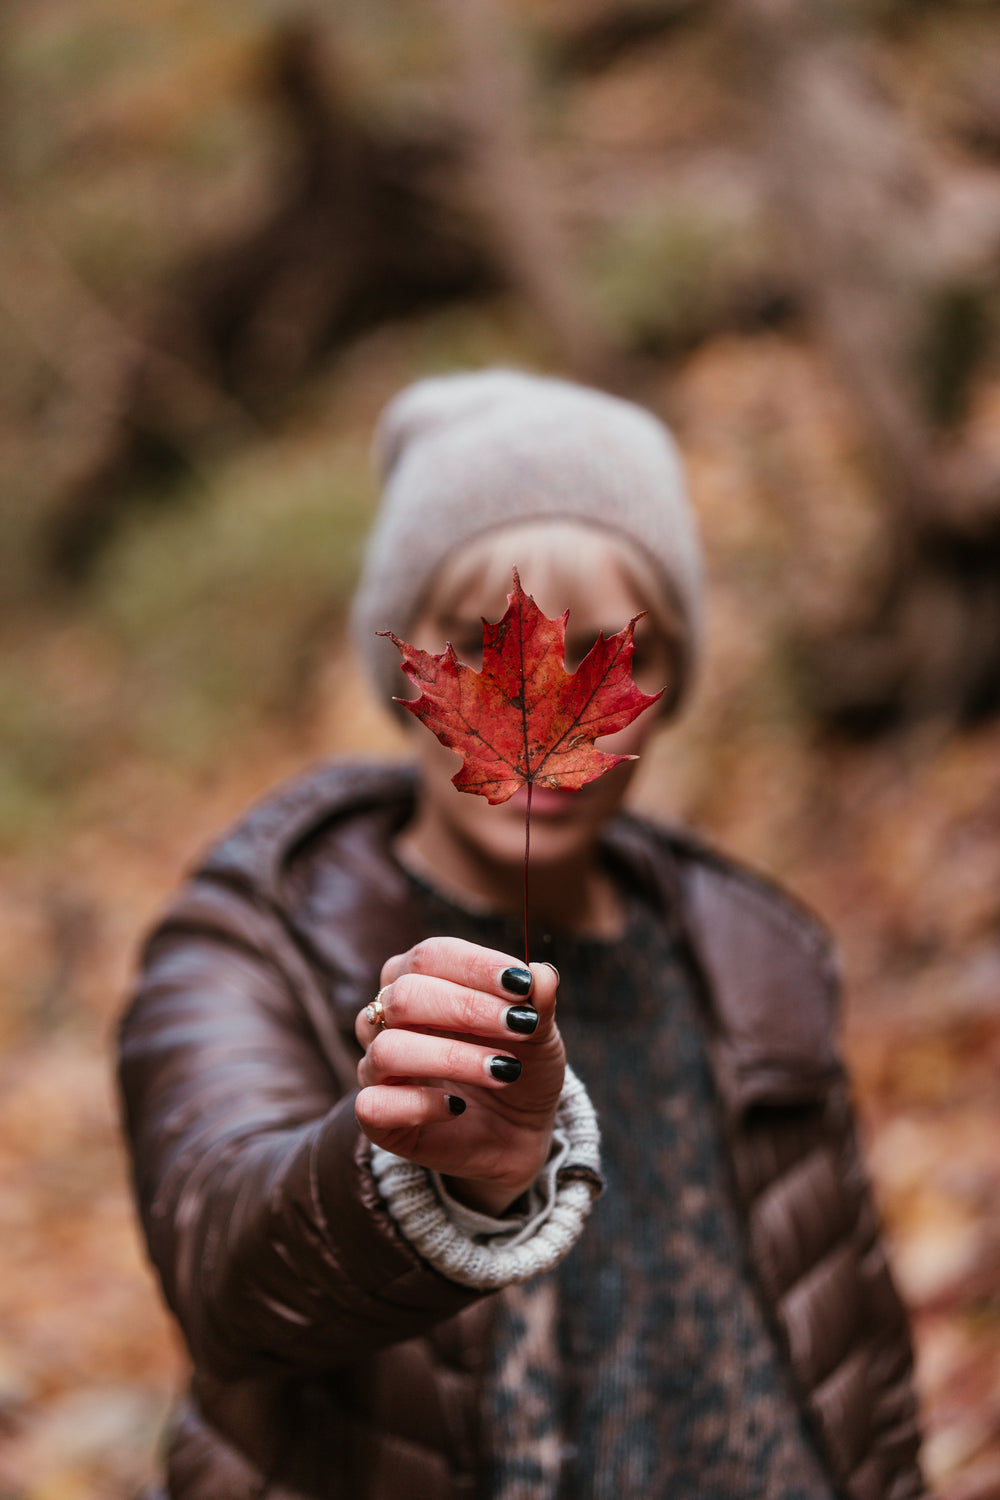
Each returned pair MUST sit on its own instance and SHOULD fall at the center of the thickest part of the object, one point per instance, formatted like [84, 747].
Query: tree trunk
[878, 240]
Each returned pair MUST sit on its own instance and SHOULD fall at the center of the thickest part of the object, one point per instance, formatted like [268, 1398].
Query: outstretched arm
[277, 1245]
[262, 1218]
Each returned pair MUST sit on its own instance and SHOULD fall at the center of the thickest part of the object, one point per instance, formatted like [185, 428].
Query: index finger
[484, 969]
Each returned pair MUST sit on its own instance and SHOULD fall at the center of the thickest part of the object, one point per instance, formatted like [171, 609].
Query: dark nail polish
[521, 1018]
[505, 1069]
[517, 981]
[455, 1104]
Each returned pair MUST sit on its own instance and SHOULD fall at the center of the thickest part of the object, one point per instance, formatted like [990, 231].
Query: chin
[565, 826]
[552, 846]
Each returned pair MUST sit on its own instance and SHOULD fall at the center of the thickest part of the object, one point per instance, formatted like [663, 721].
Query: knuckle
[454, 1059]
[378, 1047]
[469, 1014]
[391, 968]
[423, 955]
[371, 1108]
[377, 1109]
[409, 993]
[394, 999]
[472, 968]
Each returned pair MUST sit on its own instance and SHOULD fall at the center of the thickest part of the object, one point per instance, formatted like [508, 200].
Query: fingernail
[521, 1018]
[517, 981]
[505, 1069]
[553, 968]
[455, 1104]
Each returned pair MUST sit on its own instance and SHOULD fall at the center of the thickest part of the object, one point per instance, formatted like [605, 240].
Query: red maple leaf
[525, 720]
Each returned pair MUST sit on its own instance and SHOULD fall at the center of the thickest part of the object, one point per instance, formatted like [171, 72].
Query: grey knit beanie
[464, 454]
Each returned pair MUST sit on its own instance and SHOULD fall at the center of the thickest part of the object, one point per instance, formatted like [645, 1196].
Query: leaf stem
[527, 846]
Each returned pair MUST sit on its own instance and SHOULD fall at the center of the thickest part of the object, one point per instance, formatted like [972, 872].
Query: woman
[371, 1185]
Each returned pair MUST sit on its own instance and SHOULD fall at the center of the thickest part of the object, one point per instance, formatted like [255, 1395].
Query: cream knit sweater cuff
[478, 1251]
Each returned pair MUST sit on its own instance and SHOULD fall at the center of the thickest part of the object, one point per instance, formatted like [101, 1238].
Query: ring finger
[420, 1002]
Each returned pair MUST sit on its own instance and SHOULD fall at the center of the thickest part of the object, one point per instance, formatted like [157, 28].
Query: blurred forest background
[228, 233]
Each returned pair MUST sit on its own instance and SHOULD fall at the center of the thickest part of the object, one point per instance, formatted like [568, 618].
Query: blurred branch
[593, 36]
[880, 230]
[95, 354]
[363, 225]
[367, 222]
[509, 186]
[876, 224]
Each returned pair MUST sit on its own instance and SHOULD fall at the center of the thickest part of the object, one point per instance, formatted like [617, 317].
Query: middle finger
[422, 1002]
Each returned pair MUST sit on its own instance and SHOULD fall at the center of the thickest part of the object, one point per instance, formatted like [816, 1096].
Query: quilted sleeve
[254, 1184]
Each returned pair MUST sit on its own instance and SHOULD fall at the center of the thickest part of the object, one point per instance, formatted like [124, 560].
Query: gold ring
[375, 1013]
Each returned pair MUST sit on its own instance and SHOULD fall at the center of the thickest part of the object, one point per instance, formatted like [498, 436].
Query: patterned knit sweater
[644, 1366]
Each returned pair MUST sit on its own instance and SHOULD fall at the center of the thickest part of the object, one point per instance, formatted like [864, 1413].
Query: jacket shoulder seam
[750, 887]
[258, 842]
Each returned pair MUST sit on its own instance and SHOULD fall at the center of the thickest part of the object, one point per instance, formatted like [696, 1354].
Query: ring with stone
[375, 1012]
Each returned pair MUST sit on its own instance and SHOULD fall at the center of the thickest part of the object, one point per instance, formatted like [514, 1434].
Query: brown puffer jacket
[329, 1360]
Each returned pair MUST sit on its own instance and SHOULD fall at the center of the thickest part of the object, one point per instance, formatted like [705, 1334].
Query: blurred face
[603, 583]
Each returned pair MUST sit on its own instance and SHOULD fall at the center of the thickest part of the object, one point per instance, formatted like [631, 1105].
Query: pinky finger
[385, 1110]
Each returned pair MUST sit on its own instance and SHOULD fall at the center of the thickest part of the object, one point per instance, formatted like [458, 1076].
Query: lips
[546, 802]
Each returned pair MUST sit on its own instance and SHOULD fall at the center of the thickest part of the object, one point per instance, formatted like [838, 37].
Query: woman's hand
[465, 1076]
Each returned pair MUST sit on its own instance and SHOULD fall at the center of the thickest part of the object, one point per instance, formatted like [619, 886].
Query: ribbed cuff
[478, 1251]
